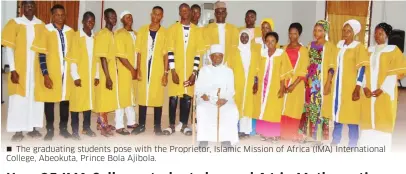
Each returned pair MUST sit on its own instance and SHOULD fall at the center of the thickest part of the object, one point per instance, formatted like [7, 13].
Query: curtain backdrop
[338, 12]
[43, 11]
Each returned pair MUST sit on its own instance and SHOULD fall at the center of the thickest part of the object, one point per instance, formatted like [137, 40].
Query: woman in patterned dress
[318, 100]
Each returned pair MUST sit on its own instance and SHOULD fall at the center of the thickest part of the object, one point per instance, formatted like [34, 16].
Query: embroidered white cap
[126, 12]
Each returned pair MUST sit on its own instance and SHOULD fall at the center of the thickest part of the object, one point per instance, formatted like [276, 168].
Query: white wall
[8, 11]
[307, 13]
[93, 6]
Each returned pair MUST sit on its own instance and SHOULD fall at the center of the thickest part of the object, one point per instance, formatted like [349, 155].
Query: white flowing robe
[24, 113]
[209, 81]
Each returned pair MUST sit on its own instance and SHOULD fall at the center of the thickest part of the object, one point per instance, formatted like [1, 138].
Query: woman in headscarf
[295, 97]
[275, 68]
[380, 107]
[318, 101]
[351, 61]
[267, 25]
[245, 68]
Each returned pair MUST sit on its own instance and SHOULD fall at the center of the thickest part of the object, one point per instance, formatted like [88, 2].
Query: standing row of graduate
[291, 92]
[301, 88]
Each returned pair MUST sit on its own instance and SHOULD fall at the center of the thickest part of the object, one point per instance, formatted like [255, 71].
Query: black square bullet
[9, 149]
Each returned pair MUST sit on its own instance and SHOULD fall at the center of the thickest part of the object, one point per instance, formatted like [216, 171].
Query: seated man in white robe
[215, 91]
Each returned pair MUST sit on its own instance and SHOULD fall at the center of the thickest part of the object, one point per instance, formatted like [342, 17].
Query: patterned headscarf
[386, 27]
[270, 22]
[325, 25]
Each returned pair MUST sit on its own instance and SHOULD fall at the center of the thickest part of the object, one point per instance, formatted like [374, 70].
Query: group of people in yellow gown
[290, 92]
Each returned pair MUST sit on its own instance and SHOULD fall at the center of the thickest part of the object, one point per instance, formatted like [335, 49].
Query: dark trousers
[63, 113]
[143, 115]
[75, 120]
[185, 105]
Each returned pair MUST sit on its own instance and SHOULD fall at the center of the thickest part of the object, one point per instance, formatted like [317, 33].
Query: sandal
[132, 126]
[242, 135]
[34, 134]
[17, 137]
[170, 130]
[264, 138]
[123, 131]
[317, 143]
[186, 130]
[274, 140]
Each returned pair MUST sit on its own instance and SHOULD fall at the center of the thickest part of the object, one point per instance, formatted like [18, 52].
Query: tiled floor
[399, 137]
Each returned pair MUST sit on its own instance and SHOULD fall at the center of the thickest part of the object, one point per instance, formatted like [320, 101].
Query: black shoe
[88, 132]
[34, 134]
[139, 129]
[158, 131]
[203, 144]
[65, 133]
[49, 135]
[75, 136]
[17, 137]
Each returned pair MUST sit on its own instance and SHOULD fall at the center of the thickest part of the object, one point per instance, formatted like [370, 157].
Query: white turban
[126, 12]
[217, 48]
[355, 25]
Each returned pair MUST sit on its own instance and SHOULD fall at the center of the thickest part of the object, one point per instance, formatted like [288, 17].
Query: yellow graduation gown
[280, 68]
[126, 50]
[328, 61]
[244, 96]
[151, 93]
[353, 57]
[14, 35]
[105, 100]
[81, 98]
[211, 36]
[49, 43]
[379, 113]
[294, 101]
[183, 60]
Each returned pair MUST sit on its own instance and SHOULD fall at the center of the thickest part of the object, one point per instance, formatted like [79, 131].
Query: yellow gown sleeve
[286, 68]
[330, 55]
[121, 50]
[201, 47]
[170, 39]
[9, 33]
[257, 57]
[39, 44]
[73, 54]
[101, 45]
[235, 36]
[166, 42]
[303, 63]
[362, 58]
[397, 64]
[207, 37]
